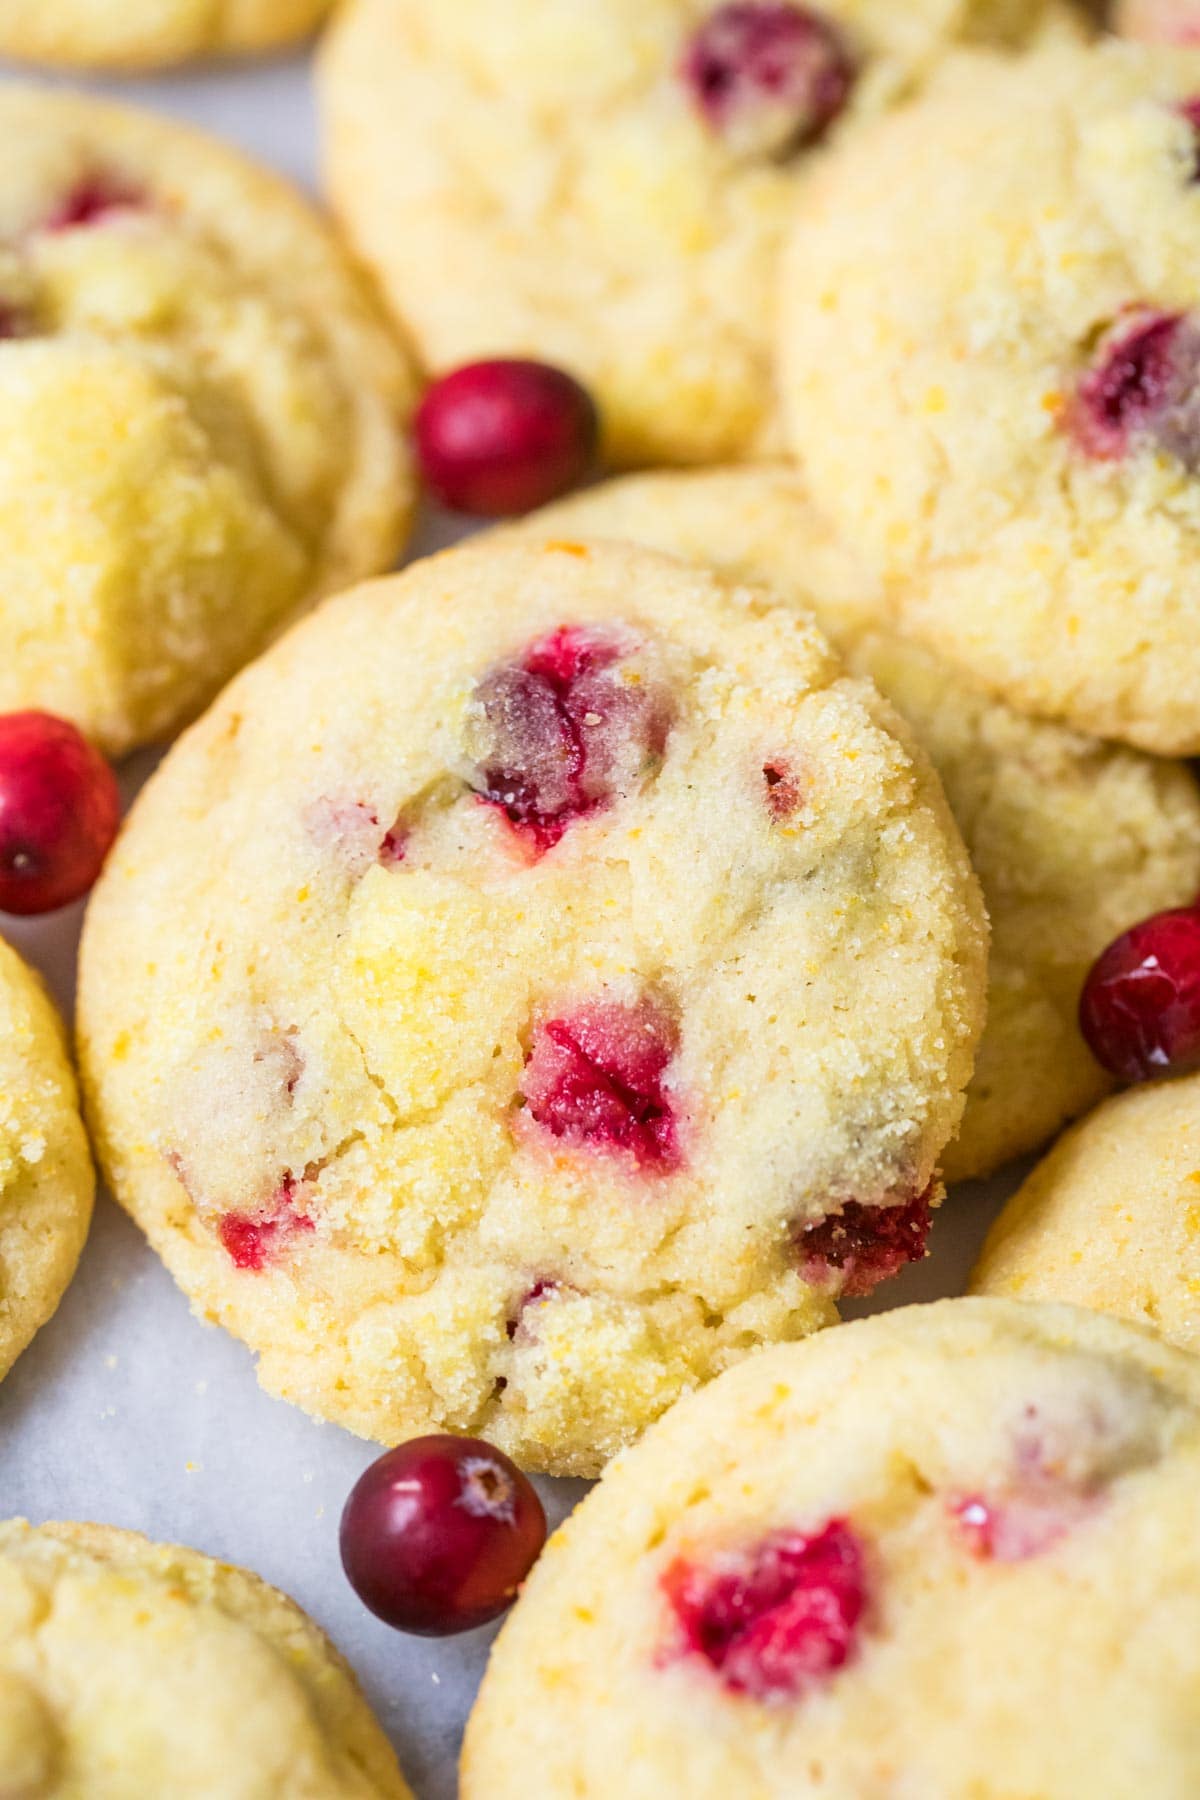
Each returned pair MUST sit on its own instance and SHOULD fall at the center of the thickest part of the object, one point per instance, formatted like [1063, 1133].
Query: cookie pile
[537, 988]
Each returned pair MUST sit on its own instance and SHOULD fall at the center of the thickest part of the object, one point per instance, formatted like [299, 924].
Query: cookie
[200, 416]
[1012, 436]
[1072, 839]
[129, 1668]
[541, 980]
[1111, 1218]
[604, 184]
[46, 1182]
[950, 1550]
[149, 34]
[1159, 21]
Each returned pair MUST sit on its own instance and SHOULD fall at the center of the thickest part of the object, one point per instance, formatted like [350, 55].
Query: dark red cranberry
[504, 436]
[597, 1078]
[254, 1240]
[861, 1246]
[1140, 1010]
[59, 812]
[561, 733]
[438, 1535]
[775, 1620]
[767, 75]
[1144, 386]
[93, 200]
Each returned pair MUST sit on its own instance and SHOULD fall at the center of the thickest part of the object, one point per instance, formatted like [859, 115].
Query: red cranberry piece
[597, 1079]
[774, 1620]
[562, 733]
[12, 321]
[866, 1245]
[59, 812]
[1143, 386]
[93, 200]
[504, 436]
[768, 76]
[253, 1240]
[1140, 1010]
[783, 790]
[438, 1535]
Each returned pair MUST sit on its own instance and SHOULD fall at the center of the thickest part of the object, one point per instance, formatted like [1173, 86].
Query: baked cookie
[200, 416]
[46, 1181]
[604, 184]
[1072, 840]
[948, 1551]
[1111, 1218]
[129, 1668]
[149, 34]
[541, 980]
[1014, 435]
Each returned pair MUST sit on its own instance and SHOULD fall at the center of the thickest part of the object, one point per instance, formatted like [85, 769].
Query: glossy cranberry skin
[438, 1535]
[1140, 1010]
[59, 812]
[504, 436]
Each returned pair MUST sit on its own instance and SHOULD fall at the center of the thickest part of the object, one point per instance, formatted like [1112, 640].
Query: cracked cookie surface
[201, 416]
[539, 981]
[604, 184]
[46, 1181]
[1072, 839]
[149, 34]
[130, 1668]
[946, 1551]
[1016, 435]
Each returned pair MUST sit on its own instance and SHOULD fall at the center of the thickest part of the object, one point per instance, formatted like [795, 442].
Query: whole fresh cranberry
[856, 1249]
[768, 76]
[504, 436]
[438, 1535]
[59, 812]
[1143, 387]
[1140, 1010]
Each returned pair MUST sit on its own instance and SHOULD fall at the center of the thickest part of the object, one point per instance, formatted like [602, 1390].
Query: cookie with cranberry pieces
[201, 416]
[149, 34]
[46, 1180]
[541, 980]
[1111, 1218]
[1072, 839]
[604, 184]
[1017, 434]
[946, 1551]
[130, 1668]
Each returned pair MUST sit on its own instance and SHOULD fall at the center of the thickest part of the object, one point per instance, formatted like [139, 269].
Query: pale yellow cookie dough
[46, 1181]
[534, 178]
[325, 982]
[938, 337]
[1073, 840]
[1111, 1218]
[1011, 1495]
[131, 1670]
[201, 415]
[149, 34]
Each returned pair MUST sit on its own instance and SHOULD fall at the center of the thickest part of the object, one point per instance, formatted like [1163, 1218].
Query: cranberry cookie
[949, 1551]
[1072, 839]
[604, 184]
[130, 1669]
[539, 981]
[149, 34]
[1017, 432]
[200, 416]
[46, 1182]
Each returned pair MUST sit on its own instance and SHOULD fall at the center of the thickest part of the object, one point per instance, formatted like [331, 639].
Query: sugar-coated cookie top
[949, 1551]
[541, 979]
[604, 183]
[991, 372]
[149, 34]
[1073, 840]
[46, 1181]
[129, 1668]
[200, 415]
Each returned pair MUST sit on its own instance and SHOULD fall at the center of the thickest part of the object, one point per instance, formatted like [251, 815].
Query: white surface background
[126, 1410]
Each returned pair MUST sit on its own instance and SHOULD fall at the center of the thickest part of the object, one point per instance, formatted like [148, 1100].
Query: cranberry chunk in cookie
[768, 75]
